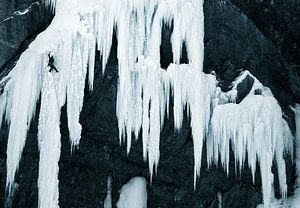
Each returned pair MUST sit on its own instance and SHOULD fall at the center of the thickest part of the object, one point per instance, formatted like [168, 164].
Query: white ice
[254, 127]
[133, 194]
[296, 198]
[108, 199]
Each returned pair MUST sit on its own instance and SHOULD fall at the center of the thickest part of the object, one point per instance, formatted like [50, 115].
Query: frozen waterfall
[254, 128]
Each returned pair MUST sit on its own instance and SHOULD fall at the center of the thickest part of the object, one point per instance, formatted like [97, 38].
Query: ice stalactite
[219, 195]
[49, 143]
[146, 103]
[20, 96]
[187, 90]
[108, 200]
[133, 194]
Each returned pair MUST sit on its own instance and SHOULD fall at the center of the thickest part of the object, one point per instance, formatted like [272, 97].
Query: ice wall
[133, 194]
[254, 127]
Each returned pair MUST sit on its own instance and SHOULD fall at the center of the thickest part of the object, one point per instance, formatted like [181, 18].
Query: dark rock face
[279, 21]
[233, 41]
[18, 21]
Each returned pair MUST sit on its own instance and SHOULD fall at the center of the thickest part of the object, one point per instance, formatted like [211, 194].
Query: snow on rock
[254, 127]
[133, 194]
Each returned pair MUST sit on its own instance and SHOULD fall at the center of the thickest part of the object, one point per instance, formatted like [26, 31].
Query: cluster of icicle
[79, 27]
[255, 130]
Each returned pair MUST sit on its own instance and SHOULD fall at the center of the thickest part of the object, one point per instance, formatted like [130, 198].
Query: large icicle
[49, 144]
[133, 194]
[22, 93]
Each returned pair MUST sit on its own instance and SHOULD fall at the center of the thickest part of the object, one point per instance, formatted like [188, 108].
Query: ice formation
[133, 194]
[296, 197]
[255, 130]
[254, 127]
[219, 195]
[107, 201]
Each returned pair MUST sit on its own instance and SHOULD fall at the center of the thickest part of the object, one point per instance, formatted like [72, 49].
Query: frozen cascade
[144, 89]
[69, 42]
[133, 194]
[254, 127]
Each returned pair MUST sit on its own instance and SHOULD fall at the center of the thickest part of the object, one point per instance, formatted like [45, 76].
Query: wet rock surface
[233, 42]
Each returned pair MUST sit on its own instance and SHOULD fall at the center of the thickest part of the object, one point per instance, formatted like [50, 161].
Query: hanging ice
[219, 195]
[49, 143]
[107, 201]
[69, 41]
[133, 194]
[80, 27]
[254, 127]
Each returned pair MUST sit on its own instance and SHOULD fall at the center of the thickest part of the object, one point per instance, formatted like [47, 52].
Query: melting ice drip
[144, 89]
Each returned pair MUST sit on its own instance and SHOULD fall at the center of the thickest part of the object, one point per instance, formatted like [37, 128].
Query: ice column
[133, 194]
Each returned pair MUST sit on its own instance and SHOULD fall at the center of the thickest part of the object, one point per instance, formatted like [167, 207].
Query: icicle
[75, 88]
[133, 194]
[219, 200]
[254, 126]
[49, 144]
[23, 95]
[107, 201]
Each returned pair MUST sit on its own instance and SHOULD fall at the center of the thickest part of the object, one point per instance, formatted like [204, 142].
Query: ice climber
[51, 62]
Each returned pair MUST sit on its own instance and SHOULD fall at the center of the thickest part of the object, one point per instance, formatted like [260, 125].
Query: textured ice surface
[133, 194]
[254, 127]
